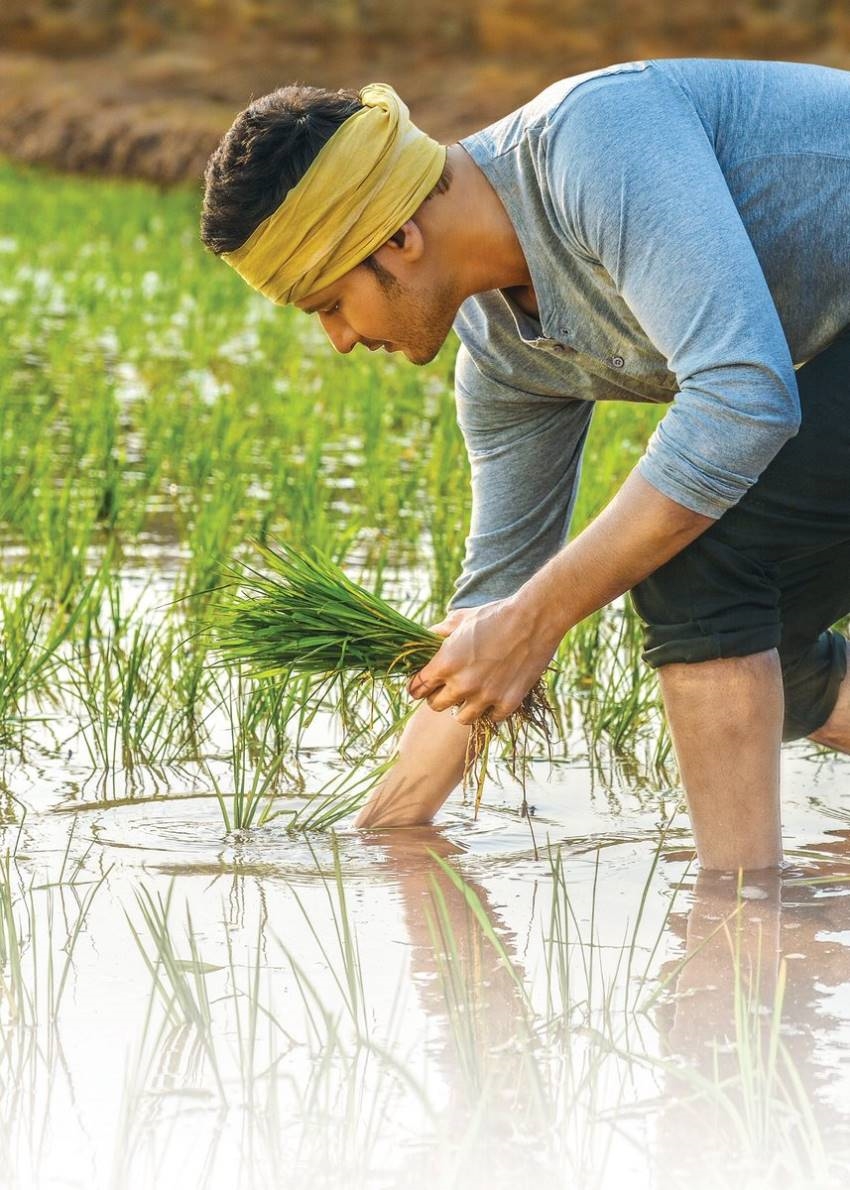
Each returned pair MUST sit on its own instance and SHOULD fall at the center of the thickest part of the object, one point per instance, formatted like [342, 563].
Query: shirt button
[617, 361]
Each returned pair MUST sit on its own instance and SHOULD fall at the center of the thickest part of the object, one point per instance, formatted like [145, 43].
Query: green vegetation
[302, 614]
[157, 419]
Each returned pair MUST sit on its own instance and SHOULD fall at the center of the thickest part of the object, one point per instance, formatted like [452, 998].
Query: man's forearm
[496, 654]
[430, 763]
[637, 532]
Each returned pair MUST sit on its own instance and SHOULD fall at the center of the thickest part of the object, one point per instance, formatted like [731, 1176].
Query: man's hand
[493, 656]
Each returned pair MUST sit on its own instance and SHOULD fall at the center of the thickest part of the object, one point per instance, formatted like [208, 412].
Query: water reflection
[493, 1117]
[749, 1016]
[760, 1010]
[558, 1031]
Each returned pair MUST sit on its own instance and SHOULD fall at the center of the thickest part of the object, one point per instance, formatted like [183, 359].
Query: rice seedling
[31, 638]
[336, 801]
[306, 616]
[255, 765]
[275, 717]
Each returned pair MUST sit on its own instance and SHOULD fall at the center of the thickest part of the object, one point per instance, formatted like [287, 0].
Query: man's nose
[342, 337]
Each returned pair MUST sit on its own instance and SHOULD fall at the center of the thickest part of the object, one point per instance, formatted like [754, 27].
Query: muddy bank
[158, 115]
[146, 90]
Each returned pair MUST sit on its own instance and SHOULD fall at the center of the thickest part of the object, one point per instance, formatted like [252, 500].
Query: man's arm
[524, 451]
[497, 652]
[511, 641]
[430, 762]
[638, 190]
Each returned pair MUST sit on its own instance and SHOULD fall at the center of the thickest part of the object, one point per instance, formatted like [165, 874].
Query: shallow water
[379, 1085]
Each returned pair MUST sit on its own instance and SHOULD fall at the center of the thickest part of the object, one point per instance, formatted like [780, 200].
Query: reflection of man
[671, 231]
[722, 1021]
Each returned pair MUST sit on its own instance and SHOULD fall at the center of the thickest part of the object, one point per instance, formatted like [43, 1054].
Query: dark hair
[265, 152]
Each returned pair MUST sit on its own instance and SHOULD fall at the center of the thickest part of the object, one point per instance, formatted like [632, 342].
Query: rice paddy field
[208, 976]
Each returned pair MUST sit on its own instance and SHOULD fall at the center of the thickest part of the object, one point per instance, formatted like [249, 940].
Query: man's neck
[482, 243]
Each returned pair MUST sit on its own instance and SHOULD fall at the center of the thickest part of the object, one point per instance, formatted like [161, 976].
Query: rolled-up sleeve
[638, 190]
[524, 453]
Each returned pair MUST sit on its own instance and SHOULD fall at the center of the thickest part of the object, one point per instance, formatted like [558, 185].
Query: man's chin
[421, 356]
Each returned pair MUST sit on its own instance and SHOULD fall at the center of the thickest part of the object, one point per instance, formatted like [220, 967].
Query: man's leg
[726, 718]
[835, 733]
[738, 627]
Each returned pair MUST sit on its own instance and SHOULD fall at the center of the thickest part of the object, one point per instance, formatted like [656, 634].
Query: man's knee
[727, 689]
[718, 671]
[835, 731]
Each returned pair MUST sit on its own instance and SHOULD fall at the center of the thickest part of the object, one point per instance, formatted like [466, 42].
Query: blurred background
[146, 88]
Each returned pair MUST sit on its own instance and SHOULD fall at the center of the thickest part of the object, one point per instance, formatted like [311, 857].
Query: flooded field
[208, 976]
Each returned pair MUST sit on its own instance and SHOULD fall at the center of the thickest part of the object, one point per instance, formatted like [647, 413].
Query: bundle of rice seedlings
[303, 615]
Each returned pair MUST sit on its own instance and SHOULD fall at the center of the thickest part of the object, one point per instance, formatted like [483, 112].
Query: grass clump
[304, 615]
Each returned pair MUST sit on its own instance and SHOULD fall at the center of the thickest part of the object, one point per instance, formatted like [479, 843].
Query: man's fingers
[442, 700]
[496, 711]
[421, 687]
[469, 712]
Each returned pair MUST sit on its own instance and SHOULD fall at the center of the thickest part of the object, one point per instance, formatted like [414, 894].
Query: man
[673, 231]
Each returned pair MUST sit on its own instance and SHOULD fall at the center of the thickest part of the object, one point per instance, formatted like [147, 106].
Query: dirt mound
[145, 90]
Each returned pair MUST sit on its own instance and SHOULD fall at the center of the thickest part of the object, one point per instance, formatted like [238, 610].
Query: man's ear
[406, 245]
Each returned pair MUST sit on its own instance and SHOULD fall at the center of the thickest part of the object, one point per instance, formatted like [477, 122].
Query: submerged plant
[305, 616]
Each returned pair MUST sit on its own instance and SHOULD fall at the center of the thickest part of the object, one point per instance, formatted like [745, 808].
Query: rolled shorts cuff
[672, 643]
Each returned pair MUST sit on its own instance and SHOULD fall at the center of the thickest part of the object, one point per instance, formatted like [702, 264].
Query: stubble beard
[424, 320]
[429, 325]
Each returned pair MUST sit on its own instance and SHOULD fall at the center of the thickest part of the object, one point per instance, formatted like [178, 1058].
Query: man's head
[274, 202]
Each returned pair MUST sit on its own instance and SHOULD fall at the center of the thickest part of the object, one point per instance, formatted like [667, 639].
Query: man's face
[378, 310]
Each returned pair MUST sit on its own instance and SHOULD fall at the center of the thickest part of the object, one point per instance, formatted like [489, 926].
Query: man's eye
[334, 309]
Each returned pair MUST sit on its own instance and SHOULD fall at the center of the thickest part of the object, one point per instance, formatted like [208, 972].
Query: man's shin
[726, 719]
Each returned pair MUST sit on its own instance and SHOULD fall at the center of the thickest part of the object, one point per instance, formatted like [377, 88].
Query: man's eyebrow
[311, 309]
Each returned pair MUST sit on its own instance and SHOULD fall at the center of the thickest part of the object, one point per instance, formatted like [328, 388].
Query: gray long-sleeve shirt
[686, 224]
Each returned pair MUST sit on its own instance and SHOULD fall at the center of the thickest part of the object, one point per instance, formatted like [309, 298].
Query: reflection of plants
[249, 1015]
[180, 982]
[459, 979]
[321, 1109]
[741, 1087]
[34, 978]
[764, 1098]
[345, 967]
[19, 1001]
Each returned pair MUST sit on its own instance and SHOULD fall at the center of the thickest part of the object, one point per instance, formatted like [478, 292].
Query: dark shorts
[774, 571]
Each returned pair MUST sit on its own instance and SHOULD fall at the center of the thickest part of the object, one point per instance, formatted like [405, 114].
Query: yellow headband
[364, 183]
